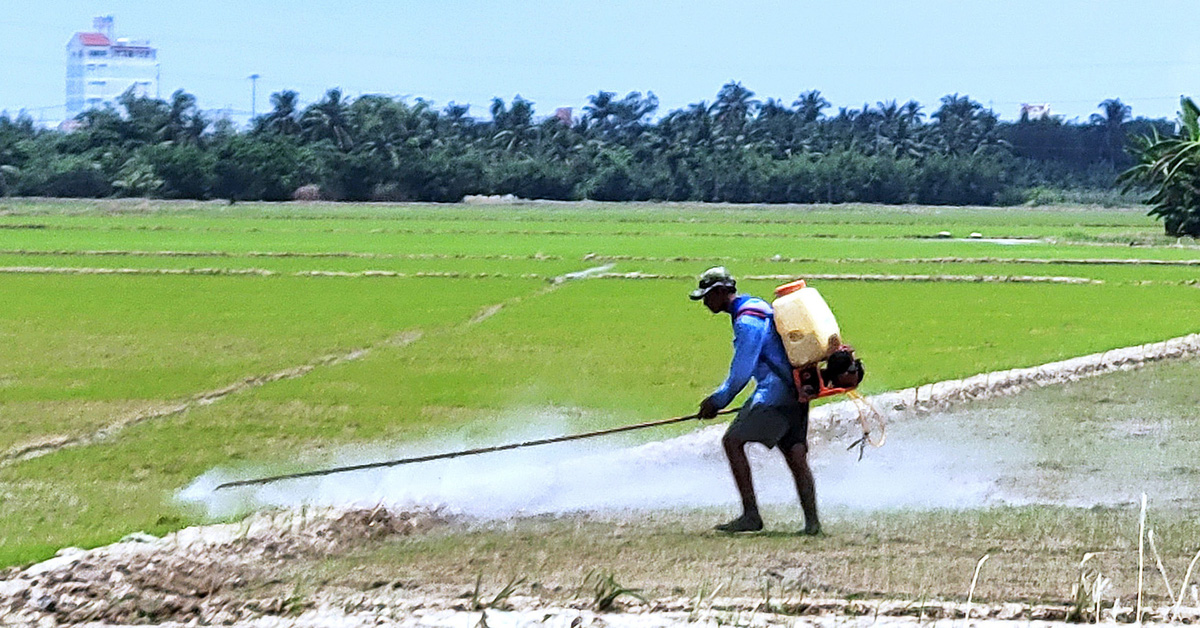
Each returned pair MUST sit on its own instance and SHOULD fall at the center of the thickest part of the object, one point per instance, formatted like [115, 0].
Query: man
[774, 416]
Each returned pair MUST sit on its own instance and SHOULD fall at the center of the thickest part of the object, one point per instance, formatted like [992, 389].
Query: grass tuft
[605, 590]
[498, 601]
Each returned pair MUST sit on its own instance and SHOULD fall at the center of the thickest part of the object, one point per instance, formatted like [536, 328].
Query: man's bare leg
[750, 521]
[797, 461]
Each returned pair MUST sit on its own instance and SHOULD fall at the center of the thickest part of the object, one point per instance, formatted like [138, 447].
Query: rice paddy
[447, 323]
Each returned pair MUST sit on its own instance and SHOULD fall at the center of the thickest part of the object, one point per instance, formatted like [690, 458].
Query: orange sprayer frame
[822, 389]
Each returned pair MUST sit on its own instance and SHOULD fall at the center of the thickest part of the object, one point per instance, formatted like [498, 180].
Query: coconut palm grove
[737, 149]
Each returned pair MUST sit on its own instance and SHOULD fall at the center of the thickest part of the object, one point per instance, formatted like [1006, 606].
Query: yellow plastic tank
[805, 323]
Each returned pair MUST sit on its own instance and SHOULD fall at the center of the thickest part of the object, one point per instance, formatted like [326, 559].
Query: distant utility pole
[254, 95]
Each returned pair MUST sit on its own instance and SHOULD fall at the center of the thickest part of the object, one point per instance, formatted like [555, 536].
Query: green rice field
[422, 321]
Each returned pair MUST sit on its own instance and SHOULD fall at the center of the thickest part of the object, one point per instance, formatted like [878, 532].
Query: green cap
[714, 277]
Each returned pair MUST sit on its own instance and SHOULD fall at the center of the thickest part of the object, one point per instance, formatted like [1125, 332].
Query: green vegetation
[737, 148]
[1171, 165]
[88, 351]
[85, 348]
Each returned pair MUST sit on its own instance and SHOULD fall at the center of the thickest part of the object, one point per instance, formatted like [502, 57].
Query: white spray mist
[687, 471]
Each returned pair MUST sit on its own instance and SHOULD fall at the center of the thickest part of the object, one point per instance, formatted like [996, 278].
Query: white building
[1035, 111]
[100, 68]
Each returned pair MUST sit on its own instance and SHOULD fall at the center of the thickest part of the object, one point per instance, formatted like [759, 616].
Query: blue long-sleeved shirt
[757, 353]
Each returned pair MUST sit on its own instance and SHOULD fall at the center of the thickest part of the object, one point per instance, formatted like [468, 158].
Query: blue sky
[1002, 53]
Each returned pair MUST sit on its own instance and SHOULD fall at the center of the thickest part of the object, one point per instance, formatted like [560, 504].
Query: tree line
[735, 149]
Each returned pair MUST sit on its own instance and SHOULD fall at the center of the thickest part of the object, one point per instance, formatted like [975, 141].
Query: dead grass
[1034, 555]
[926, 563]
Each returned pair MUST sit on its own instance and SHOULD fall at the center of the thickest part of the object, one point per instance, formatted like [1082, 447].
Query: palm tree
[897, 129]
[378, 126]
[631, 113]
[513, 126]
[734, 106]
[145, 118]
[597, 112]
[841, 128]
[184, 123]
[326, 120]
[457, 115]
[776, 127]
[283, 116]
[911, 111]
[811, 105]
[964, 126]
[610, 120]
[684, 131]
[1112, 123]
[1172, 165]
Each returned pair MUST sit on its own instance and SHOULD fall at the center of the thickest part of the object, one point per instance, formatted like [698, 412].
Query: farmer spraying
[793, 350]
[774, 416]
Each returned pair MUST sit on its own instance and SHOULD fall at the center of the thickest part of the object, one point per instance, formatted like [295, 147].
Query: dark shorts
[782, 426]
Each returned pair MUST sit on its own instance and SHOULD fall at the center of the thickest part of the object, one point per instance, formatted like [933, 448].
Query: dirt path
[1086, 261]
[273, 254]
[596, 273]
[237, 574]
[882, 277]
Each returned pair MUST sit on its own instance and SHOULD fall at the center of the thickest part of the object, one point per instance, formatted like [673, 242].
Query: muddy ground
[272, 570]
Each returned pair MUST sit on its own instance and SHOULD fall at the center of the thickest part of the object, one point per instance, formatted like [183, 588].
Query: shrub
[265, 168]
[391, 193]
[310, 192]
[535, 178]
[67, 176]
[185, 171]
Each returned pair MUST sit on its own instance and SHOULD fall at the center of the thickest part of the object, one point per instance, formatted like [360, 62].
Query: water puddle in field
[1004, 241]
[1099, 441]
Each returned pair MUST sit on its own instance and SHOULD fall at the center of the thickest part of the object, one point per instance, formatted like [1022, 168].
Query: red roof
[94, 39]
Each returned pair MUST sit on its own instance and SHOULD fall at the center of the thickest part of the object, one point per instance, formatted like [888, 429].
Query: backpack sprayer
[822, 365]
[810, 335]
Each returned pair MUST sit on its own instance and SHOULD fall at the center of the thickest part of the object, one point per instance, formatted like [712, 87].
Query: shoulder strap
[754, 310]
[757, 311]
